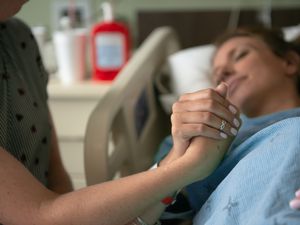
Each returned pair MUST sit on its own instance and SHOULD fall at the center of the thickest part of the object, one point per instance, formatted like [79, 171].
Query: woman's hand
[207, 146]
[205, 113]
[295, 203]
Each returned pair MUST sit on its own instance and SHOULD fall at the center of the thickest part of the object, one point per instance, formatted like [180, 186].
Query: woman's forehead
[235, 43]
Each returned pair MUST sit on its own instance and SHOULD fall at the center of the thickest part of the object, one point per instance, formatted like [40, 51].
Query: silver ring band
[223, 125]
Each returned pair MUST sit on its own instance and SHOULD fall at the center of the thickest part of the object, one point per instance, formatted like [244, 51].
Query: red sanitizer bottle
[110, 46]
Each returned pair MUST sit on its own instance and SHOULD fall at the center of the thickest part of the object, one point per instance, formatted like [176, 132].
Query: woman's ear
[292, 63]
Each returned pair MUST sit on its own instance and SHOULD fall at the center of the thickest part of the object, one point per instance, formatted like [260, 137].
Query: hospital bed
[126, 127]
[128, 124]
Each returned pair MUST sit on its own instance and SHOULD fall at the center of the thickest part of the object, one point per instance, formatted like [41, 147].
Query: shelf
[78, 90]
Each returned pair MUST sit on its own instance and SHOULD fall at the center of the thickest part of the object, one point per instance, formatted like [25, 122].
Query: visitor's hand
[204, 113]
[295, 203]
[204, 124]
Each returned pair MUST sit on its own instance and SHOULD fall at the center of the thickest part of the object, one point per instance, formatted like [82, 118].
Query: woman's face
[9, 8]
[252, 71]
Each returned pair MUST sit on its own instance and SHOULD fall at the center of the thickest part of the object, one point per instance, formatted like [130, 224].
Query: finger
[221, 89]
[205, 94]
[225, 127]
[295, 204]
[208, 94]
[206, 118]
[188, 131]
[193, 112]
[297, 193]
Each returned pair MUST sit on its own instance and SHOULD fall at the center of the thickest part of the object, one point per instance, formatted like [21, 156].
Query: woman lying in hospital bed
[26, 186]
[261, 171]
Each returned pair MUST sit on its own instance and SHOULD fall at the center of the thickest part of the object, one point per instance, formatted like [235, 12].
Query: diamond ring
[223, 125]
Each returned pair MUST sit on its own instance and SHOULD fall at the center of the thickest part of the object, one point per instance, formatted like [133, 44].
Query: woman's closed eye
[240, 54]
[222, 73]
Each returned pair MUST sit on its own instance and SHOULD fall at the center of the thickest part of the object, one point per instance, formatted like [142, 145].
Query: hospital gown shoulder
[263, 181]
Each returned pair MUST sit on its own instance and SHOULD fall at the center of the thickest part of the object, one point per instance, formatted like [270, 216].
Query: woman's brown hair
[274, 38]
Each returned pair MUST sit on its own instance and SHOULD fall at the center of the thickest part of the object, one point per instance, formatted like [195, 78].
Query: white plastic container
[71, 50]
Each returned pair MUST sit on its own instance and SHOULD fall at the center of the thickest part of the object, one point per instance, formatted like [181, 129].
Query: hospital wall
[40, 12]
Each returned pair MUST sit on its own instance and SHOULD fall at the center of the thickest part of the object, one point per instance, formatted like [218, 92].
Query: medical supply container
[110, 46]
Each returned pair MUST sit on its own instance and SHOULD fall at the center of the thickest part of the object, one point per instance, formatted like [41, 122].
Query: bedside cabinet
[70, 107]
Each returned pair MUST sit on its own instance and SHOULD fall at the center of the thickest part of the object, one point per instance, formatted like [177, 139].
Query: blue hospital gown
[257, 179]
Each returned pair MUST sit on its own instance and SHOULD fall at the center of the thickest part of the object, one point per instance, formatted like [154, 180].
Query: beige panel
[71, 107]
[72, 156]
[70, 116]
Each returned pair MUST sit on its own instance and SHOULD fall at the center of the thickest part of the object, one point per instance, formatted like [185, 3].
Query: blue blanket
[258, 188]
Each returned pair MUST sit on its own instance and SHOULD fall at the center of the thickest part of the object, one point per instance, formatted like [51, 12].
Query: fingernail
[236, 122]
[233, 131]
[297, 193]
[295, 204]
[223, 135]
[232, 109]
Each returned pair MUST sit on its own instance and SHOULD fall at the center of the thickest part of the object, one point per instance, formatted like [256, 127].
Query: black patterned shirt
[25, 130]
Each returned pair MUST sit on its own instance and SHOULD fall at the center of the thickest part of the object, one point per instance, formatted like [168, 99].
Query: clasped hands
[203, 126]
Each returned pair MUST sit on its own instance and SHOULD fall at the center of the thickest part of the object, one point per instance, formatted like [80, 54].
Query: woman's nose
[226, 72]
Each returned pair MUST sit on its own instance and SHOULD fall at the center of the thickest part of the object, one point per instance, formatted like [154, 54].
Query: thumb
[221, 89]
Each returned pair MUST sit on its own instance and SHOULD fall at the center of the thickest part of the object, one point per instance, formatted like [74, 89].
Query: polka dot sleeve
[25, 129]
[33, 63]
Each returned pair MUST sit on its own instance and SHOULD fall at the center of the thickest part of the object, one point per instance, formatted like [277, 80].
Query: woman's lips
[233, 84]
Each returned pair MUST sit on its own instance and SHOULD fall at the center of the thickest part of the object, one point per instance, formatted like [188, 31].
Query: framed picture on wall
[79, 12]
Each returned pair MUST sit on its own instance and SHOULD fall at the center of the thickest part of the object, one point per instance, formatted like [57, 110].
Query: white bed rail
[127, 125]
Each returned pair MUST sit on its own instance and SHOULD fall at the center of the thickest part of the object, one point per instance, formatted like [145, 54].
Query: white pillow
[190, 69]
[292, 32]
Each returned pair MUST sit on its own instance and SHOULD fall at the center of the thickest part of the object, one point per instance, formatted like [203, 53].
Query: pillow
[291, 32]
[190, 69]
